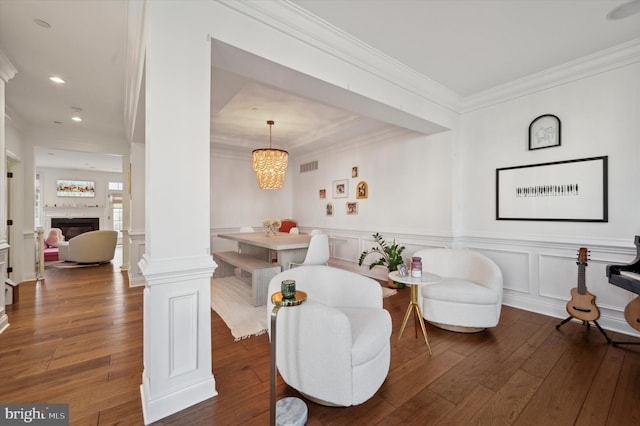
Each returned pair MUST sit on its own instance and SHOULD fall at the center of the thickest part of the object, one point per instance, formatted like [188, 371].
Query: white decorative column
[7, 71]
[126, 211]
[177, 265]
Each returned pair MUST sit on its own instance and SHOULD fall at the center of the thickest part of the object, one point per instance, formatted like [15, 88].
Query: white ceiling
[468, 46]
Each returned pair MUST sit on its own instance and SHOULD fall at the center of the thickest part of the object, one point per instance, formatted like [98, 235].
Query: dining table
[287, 247]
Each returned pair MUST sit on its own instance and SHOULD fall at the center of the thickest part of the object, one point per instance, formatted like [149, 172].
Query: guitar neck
[582, 286]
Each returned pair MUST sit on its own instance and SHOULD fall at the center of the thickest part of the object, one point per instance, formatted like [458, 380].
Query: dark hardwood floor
[77, 338]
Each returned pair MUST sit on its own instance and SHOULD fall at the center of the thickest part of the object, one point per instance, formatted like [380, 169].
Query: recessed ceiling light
[56, 79]
[41, 23]
[76, 118]
[624, 10]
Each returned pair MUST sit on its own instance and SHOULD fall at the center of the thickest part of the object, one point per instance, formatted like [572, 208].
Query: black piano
[627, 276]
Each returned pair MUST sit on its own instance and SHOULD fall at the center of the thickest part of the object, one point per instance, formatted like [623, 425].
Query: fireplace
[72, 226]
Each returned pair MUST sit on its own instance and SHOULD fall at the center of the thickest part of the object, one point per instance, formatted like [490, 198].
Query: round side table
[291, 410]
[414, 304]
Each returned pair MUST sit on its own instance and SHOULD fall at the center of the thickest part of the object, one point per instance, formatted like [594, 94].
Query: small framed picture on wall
[340, 188]
[352, 207]
[544, 132]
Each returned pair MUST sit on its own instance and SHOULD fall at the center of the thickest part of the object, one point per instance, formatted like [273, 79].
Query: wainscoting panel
[515, 266]
[136, 251]
[557, 275]
[347, 248]
[538, 274]
[183, 320]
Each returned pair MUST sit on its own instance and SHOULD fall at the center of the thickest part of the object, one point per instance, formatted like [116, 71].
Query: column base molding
[154, 409]
[4, 321]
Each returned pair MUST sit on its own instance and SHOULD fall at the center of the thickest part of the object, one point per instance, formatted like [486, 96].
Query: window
[115, 186]
[115, 197]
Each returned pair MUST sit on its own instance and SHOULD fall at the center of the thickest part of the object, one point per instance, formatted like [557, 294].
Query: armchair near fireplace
[89, 247]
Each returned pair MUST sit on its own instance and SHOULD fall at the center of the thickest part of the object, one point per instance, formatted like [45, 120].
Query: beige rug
[70, 265]
[386, 291]
[231, 299]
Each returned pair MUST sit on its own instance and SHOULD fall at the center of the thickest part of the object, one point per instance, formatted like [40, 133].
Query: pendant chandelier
[270, 164]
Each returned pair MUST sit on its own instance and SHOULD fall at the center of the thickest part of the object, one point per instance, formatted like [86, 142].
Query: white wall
[21, 239]
[98, 206]
[409, 181]
[49, 176]
[236, 199]
[599, 117]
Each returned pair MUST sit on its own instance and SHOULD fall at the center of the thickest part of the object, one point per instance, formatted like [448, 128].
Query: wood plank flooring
[77, 338]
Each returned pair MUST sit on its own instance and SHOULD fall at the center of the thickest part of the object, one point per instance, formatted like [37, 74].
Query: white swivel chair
[315, 232]
[294, 230]
[89, 247]
[317, 253]
[335, 347]
[468, 298]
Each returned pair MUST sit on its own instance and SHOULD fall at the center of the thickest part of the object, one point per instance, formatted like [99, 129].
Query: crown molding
[606, 60]
[135, 51]
[7, 69]
[294, 21]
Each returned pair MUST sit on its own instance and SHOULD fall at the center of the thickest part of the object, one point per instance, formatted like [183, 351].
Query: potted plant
[390, 255]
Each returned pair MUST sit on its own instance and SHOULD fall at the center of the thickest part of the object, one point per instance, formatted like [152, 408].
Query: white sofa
[89, 247]
[469, 296]
[335, 347]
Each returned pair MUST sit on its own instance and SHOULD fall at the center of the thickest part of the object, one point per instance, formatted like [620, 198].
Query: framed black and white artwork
[573, 191]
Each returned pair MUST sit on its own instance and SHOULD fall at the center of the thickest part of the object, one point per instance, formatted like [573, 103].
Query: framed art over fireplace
[573, 191]
[75, 188]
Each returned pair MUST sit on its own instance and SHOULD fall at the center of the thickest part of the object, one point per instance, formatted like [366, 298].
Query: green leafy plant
[390, 255]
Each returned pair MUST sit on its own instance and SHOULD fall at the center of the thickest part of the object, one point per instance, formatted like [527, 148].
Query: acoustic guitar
[583, 304]
[632, 313]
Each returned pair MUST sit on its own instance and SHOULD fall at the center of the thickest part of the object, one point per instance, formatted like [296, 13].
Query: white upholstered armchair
[89, 247]
[335, 347]
[469, 296]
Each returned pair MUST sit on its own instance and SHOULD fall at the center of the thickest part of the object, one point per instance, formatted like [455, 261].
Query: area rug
[231, 299]
[386, 291]
[69, 265]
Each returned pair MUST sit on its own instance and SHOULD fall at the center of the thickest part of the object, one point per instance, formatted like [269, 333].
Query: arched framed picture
[362, 190]
[544, 132]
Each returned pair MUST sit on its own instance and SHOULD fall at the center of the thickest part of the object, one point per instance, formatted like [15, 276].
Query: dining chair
[287, 224]
[315, 232]
[317, 253]
[246, 229]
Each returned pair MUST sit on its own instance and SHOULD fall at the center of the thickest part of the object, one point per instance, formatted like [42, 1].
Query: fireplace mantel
[72, 211]
[72, 226]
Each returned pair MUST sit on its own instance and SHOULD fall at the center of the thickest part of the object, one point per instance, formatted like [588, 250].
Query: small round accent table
[414, 305]
[291, 410]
